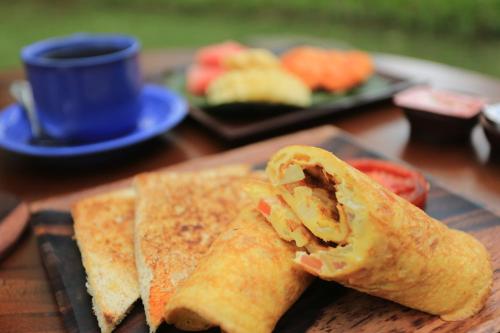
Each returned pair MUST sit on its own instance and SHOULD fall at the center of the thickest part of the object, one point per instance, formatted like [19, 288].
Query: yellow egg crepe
[244, 284]
[178, 215]
[356, 232]
[104, 227]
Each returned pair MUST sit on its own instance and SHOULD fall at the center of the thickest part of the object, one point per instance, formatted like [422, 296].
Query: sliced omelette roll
[104, 231]
[370, 239]
[244, 284]
[178, 216]
[277, 212]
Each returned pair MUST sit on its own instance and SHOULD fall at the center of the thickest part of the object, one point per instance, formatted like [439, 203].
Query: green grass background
[463, 33]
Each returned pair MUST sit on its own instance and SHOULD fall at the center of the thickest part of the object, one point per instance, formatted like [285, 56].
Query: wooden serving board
[324, 307]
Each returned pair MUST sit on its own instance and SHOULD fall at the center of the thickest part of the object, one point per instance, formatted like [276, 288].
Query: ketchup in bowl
[406, 183]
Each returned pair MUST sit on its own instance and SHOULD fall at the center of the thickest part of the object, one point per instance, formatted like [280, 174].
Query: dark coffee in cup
[86, 87]
[82, 53]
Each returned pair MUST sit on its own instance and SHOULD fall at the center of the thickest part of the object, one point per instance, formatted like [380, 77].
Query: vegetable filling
[315, 202]
[323, 186]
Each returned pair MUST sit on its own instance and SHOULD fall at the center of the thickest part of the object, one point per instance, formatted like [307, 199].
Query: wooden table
[26, 302]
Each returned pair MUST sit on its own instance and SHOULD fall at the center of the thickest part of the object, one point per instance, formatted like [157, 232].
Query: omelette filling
[310, 192]
[323, 187]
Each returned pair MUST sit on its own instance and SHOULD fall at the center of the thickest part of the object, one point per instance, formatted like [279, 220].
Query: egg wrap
[349, 229]
[244, 284]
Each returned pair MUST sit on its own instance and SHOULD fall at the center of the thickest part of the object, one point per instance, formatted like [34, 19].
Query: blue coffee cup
[86, 87]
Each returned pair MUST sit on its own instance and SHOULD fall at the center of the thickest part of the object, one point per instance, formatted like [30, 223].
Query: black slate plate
[238, 121]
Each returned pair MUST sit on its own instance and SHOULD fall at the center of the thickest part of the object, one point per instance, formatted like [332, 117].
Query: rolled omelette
[357, 233]
[244, 284]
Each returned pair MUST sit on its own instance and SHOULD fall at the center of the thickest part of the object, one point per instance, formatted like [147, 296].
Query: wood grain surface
[325, 307]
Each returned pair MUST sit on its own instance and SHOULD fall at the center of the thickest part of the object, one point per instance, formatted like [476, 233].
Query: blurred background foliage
[463, 33]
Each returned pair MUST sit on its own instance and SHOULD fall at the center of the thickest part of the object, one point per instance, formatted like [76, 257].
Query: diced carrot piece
[311, 262]
[264, 208]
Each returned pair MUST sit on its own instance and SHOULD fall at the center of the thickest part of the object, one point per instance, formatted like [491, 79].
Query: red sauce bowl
[439, 116]
[407, 183]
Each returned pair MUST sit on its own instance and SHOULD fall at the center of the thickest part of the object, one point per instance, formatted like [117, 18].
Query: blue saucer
[162, 110]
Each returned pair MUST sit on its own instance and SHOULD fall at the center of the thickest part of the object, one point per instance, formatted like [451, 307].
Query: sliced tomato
[406, 183]
[200, 77]
[213, 55]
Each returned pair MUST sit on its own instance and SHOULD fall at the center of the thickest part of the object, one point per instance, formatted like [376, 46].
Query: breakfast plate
[252, 119]
[162, 109]
[241, 91]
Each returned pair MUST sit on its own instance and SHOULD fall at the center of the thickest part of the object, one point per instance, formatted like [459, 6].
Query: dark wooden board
[239, 122]
[324, 307]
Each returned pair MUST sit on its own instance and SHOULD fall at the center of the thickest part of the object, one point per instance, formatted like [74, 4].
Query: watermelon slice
[200, 77]
[213, 55]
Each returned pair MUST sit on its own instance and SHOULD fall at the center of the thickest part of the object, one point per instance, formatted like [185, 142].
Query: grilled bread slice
[178, 217]
[104, 233]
